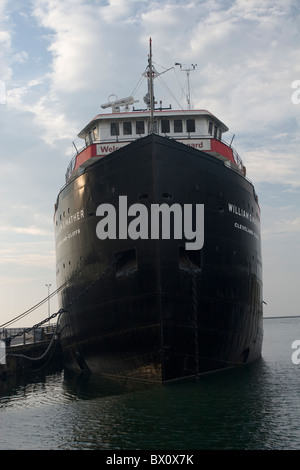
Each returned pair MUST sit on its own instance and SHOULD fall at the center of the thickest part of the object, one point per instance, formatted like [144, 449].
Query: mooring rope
[194, 312]
[27, 312]
[59, 313]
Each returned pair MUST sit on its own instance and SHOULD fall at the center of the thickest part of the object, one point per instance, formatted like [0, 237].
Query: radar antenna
[116, 104]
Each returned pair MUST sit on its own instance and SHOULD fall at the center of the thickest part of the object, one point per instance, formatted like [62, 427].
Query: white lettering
[188, 226]
[296, 94]
[296, 354]
[68, 220]
[109, 221]
[117, 460]
[242, 213]
[2, 352]
[123, 217]
[162, 224]
[141, 221]
[2, 92]
[165, 211]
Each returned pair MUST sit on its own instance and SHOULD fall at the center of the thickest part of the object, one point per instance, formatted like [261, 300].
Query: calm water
[256, 407]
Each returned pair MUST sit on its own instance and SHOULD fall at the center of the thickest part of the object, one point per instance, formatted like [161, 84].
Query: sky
[61, 59]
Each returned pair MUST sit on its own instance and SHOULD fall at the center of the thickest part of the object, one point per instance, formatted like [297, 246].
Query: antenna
[188, 96]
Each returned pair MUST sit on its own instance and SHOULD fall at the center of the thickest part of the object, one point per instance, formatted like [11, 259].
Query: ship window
[95, 132]
[155, 127]
[140, 127]
[216, 132]
[220, 134]
[114, 128]
[127, 128]
[210, 128]
[165, 126]
[190, 125]
[177, 125]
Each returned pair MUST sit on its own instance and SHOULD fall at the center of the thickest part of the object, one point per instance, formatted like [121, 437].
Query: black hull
[150, 309]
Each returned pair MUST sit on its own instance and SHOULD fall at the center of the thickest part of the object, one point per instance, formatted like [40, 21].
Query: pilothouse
[109, 132]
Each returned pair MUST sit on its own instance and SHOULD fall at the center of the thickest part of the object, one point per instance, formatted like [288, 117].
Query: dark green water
[255, 407]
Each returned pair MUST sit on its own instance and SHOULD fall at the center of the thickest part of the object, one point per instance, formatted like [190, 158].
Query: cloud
[5, 43]
[29, 230]
[61, 60]
[235, 45]
[283, 225]
[18, 255]
[269, 164]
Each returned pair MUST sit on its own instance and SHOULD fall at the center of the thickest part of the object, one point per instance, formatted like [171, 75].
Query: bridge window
[216, 132]
[177, 125]
[114, 128]
[210, 128]
[95, 133]
[165, 126]
[155, 127]
[127, 128]
[190, 125]
[140, 127]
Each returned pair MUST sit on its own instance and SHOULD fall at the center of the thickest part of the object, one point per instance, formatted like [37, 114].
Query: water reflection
[229, 410]
[88, 386]
[252, 407]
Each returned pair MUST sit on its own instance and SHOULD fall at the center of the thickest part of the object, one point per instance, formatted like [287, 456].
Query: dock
[23, 354]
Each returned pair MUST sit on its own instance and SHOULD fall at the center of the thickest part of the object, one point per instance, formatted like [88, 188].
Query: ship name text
[242, 213]
[66, 222]
[136, 222]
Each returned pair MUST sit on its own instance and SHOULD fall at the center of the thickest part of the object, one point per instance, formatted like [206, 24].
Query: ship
[158, 246]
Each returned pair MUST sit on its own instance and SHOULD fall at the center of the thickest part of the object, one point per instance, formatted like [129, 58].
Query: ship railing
[71, 166]
[237, 159]
[17, 336]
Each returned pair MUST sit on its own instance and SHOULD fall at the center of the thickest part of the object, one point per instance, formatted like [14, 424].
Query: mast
[151, 73]
[151, 89]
